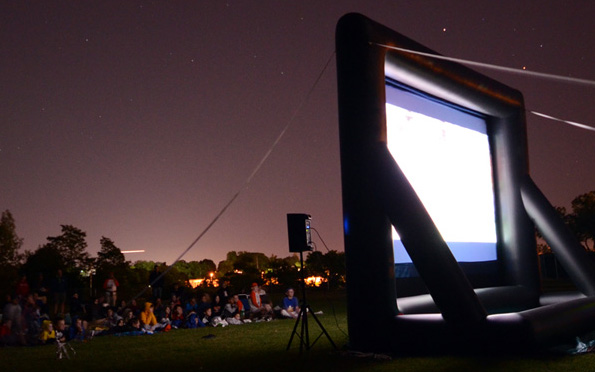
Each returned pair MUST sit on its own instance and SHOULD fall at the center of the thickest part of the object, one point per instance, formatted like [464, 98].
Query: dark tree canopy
[10, 257]
[109, 256]
[46, 260]
[10, 243]
[330, 266]
[582, 218]
[72, 246]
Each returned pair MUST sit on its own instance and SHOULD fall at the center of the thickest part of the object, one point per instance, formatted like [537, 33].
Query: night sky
[139, 120]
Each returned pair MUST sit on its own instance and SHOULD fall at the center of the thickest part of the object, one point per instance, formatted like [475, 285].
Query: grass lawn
[260, 347]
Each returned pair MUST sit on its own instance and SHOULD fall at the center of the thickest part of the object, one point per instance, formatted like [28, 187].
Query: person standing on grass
[22, 289]
[59, 287]
[111, 288]
[156, 282]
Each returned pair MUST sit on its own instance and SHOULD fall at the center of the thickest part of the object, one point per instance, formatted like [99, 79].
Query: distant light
[315, 281]
[138, 251]
[195, 282]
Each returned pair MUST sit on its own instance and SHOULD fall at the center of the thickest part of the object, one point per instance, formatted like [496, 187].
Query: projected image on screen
[445, 155]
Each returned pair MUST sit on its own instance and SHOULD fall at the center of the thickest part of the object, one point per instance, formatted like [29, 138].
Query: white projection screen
[444, 152]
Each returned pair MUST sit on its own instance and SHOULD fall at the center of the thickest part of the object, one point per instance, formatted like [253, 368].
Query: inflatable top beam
[439, 152]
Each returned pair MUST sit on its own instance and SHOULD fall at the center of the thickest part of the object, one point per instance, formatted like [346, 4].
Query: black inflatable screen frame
[377, 195]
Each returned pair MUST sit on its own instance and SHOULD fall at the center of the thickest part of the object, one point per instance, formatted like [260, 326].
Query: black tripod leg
[293, 333]
[322, 328]
[305, 341]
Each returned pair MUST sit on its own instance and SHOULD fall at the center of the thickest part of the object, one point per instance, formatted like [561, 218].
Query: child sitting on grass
[77, 330]
[6, 336]
[177, 317]
[47, 335]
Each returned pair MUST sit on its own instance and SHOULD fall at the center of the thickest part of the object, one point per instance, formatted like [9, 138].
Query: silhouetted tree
[72, 246]
[144, 265]
[109, 256]
[46, 259]
[330, 266]
[282, 272]
[582, 219]
[10, 243]
[10, 257]
[251, 262]
[207, 266]
[315, 264]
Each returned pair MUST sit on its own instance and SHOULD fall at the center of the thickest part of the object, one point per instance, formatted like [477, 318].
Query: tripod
[304, 334]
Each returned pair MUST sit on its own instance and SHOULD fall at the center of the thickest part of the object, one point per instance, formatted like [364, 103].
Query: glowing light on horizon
[195, 282]
[137, 251]
[315, 281]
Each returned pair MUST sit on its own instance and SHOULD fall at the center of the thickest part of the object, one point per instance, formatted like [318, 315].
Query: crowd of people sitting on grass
[25, 319]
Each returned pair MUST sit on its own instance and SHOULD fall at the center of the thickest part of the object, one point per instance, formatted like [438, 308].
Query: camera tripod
[304, 334]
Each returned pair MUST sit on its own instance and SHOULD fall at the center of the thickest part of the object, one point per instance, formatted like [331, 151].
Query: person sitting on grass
[217, 306]
[123, 307]
[259, 308]
[177, 317]
[236, 320]
[77, 330]
[7, 338]
[98, 310]
[231, 308]
[60, 327]
[207, 316]
[111, 318]
[127, 316]
[121, 327]
[205, 303]
[175, 300]
[134, 307]
[213, 320]
[32, 318]
[193, 321]
[191, 306]
[291, 308]
[47, 335]
[148, 319]
[134, 327]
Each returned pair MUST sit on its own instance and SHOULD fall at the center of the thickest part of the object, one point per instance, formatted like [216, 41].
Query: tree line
[85, 274]
[580, 219]
[68, 252]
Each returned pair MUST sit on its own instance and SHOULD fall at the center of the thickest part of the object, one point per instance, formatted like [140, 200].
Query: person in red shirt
[257, 307]
[111, 288]
[22, 290]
